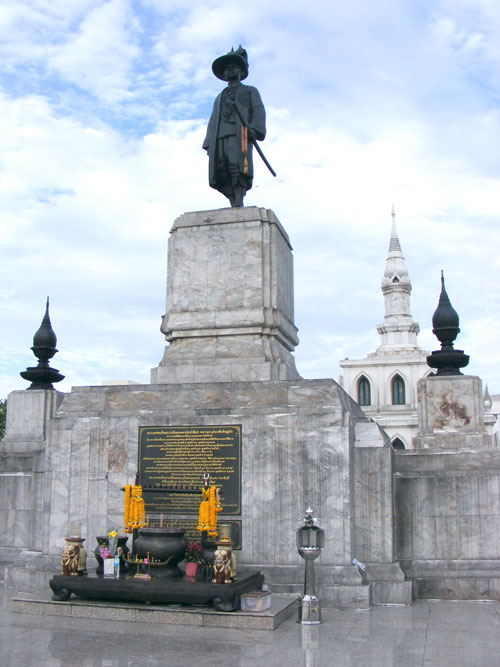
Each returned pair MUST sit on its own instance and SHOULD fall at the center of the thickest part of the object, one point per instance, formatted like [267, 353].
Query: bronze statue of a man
[238, 119]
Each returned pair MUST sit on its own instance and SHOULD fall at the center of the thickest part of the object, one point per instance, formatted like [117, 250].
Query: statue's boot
[239, 193]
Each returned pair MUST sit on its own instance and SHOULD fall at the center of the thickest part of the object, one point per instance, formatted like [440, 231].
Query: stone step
[388, 584]
[383, 572]
[391, 592]
[335, 596]
[282, 607]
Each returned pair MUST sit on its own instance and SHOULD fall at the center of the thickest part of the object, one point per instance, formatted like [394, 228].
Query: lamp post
[310, 539]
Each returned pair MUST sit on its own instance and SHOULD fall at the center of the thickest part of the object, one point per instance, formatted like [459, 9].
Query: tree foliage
[3, 415]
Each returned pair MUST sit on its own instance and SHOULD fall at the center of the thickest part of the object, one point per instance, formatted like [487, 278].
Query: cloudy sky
[103, 108]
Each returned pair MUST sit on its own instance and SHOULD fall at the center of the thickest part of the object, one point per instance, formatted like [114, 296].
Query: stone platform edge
[282, 607]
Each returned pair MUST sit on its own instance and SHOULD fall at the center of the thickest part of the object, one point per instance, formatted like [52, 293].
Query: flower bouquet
[109, 554]
[193, 558]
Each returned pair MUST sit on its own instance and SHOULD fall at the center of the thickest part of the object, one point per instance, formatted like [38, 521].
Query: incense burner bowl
[164, 548]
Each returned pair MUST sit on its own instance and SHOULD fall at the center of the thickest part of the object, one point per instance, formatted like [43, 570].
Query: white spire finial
[394, 244]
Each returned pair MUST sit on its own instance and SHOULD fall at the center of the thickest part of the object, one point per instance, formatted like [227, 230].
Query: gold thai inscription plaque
[178, 456]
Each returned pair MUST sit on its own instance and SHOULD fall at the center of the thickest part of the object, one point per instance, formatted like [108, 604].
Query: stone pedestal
[447, 518]
[451, 413]
[229, 325]
[23, 464]
[229, 315]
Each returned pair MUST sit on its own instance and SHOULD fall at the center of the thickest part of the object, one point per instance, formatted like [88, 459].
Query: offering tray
[223, 597]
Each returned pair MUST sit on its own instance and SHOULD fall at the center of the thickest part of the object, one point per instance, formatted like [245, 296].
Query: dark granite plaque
[171, 456]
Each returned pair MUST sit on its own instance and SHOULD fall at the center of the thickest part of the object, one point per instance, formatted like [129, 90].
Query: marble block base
[388, 583]
[297, 450]
[451, 413]
[282, 607]
[455, 579]
[229, 314]
[338, 587]
[225, 358]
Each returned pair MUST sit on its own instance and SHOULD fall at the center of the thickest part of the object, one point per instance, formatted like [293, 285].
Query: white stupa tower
[384, 383]
[398, 332]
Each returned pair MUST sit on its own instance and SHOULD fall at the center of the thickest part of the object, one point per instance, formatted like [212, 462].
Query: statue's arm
[257, 121]
[211, 134]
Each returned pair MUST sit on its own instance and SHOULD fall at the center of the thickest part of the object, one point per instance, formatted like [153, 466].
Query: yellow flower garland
[134, 511]
[209, 508]
[126, 506]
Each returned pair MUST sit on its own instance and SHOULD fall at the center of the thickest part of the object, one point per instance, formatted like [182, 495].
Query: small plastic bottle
[116, 566]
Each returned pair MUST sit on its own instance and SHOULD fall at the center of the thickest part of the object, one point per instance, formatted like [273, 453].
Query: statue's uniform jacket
[253, 113]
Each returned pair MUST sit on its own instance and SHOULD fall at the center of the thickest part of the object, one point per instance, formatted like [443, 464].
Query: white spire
[394, 244]
[395, 266]
[398, 330]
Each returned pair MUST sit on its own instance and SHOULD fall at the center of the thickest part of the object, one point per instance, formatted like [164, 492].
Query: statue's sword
[254, 142]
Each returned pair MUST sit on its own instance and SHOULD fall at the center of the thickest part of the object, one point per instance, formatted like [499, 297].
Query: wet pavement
[427, 633]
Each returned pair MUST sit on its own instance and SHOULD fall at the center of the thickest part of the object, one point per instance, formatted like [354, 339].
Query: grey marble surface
[451, 413]
[429, 634]
[298, 440]
[447, 505]
[41, 604]
[229, 306]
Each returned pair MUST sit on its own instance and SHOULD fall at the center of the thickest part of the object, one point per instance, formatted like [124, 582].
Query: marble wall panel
[373, 503]
[424, 538]
[37, 524]
[59, 528]
[489, 494]
[99, 501]
[446, 538]
[468, 537]
[403, 540]
[39, 490]
[16, 491]
[79, 460]
[489, 536]
[98, 447]
[23, 527]
[337, 535]
[444, 497]
[57, 510]
[79, 499]
[425, 495]
[373, 542]
[296, 452]
[59, 448]
[59, 487]
[462, 500]
[117, 449]
[24, 493]
[7, 524]
[467, 490]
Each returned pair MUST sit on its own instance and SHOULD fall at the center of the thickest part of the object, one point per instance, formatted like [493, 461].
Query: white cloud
[102, 117]
[99, 55]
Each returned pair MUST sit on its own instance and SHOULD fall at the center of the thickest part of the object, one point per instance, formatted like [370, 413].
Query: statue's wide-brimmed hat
[238, 57]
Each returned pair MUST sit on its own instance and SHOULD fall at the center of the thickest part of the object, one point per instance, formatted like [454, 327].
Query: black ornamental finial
[445, 326]
[44, 348]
